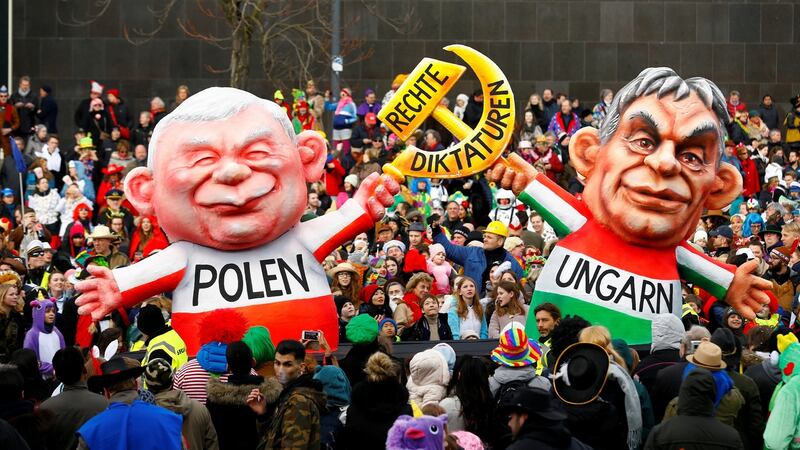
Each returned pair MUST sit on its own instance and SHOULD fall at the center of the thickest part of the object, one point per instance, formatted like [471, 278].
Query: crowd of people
[452, 260]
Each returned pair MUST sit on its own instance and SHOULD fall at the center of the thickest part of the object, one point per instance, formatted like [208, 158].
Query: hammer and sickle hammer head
[419, 96]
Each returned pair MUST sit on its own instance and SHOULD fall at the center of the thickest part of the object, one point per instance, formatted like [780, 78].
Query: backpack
[506, 391]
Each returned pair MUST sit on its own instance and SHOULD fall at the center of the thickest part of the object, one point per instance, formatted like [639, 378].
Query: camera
[310, 335]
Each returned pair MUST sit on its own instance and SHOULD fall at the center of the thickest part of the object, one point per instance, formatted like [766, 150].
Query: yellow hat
[399, 79]
[785, 340]
[498, 228]
[278, 95]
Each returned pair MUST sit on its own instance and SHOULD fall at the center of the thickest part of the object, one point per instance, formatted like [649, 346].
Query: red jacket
[751, 185]
[334, 177]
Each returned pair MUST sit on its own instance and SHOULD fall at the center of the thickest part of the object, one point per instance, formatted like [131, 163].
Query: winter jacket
[421, 330]
[48, 114]
[373, 409]
[750, 420]
[334, 177]
[545, 436]
[198, 430]
[295, 424]
[12, 335]
[769, 115]
[10, 438]
[498, 323]
[766, 375]
[429, 375]
[162, 430]
[473, 113]
[601, 423]
[455, 322]
[234, 421]
[730, 407]
[792, 124]
[45, 206]
[695, 427]
[27, 116]
[45, 340]
[504, 375]
[70, 409]
[472, 259]
[559, 125]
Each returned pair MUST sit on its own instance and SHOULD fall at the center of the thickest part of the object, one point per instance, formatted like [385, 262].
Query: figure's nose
[663, 159]
[232, 172]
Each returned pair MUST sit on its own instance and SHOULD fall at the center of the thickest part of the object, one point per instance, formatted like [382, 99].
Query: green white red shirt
[593, 273]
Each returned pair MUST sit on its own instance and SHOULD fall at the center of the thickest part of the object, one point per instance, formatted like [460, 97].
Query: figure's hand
[514, 174]
[745, 293]
[100, 294]
[375, 194]
[257, 402]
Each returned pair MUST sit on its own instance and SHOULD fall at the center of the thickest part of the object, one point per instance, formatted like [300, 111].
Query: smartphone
[310, 335]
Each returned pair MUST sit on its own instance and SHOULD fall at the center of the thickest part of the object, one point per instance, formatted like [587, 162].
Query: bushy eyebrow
[645, 117]
[702, 129]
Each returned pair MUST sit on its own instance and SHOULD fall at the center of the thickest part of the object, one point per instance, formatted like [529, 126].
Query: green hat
[260, 343]
[86, 142]
[362, 329]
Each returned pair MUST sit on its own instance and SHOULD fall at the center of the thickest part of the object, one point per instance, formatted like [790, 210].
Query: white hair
[213, 104]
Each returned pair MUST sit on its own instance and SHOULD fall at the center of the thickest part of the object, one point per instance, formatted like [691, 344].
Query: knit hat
[352, 179]
[515, 349]
[150, 320]
[449, 354]
[368, 292]
[435, 249]
[416, 226]
[335, 385]
[700, 235]
[362, 329]
[158, 375]
[461, 231]
[414, 262]
[783, 253]
[467, 440]
[211, 357]
[96, 87]
[340, 301]
[394, 243]
[385, 321]
[259, 341]
[512, 242]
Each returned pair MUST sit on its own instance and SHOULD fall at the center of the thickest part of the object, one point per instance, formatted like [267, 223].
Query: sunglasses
[35, 254]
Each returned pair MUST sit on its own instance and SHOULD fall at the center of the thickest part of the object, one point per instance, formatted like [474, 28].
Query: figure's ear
[727, 186]
[313, 152]
[583, 148]
[139, 190]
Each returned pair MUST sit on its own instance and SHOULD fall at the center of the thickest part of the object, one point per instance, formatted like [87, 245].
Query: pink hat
[435, 249]
[467, 440]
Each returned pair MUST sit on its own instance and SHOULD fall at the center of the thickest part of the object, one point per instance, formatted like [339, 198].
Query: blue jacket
[139, 425]
[473, 259]
[455, 322]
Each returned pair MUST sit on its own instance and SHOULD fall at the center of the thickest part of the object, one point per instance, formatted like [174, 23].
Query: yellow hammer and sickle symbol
[419, 96]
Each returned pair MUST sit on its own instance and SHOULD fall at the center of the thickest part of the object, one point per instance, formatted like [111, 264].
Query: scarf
[564, 121]
[53, 159]
[633, 408]
[343, 102]
[722, 381]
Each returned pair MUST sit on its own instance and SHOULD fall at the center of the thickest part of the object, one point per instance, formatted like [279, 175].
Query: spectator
[337, 390]
[296, 417]
[408, 311]
[44, 201]
[469, 404]
[227, 401]
[509, 309]
[667, 331]
[735, 105]
[44, 338]
[162, 341]
[373, 302]
[158, 109]
[119, 382]
[25, 101]
[197, 428]
[432, 326]
[75, 404]
[96, 122]
[19, 412]
[12, 329]
[537, 420]
[768, 112]
[181, 94]
[466, 311]
[362, 332]
[599, 110]
[143, 130]
[36, 141]
[377, 402]
[474, 109]
[369, 105]
[47, 112]
[344, 117]
[565, 121]
[695, 424]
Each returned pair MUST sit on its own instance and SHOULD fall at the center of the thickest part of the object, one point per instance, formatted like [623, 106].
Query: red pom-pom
[788, 369]
[222, 325]
[520, 207]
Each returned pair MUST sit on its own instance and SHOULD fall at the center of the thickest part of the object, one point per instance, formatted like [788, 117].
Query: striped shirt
[192, 379]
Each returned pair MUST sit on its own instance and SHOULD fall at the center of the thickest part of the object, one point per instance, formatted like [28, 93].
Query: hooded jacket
[234, 421]
[44, 339]
[504, 375]
[429, 377]
[374, 407]
[667, 333]
[198, 430]
[545, 435]
[694, 427]
[296, 423]
[766, 375]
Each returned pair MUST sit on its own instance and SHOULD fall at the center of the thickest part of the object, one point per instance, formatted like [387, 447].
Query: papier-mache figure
[650, 170]
[226, 176]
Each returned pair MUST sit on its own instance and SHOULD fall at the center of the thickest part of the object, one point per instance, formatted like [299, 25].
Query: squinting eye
[691, 159]
[205, 160]
[257, 154]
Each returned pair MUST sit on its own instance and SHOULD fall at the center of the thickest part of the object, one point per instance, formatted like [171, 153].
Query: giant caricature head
[226, 170]
[654, 165]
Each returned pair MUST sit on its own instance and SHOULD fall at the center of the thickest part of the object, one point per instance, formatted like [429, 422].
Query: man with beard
[24, 100]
